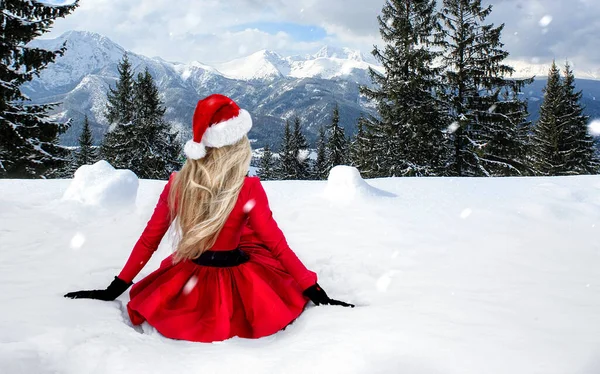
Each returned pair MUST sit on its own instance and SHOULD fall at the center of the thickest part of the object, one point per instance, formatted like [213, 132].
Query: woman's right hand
[114, 290]
[318, 296]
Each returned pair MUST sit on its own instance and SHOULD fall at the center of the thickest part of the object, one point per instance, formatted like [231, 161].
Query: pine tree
[287, 155]
[583, 159]
[360, 149]
[140, 140]
[267, 165]
[408, 137]
[86, 154]
[120, 113]
[293, 160]
[156, 151]
[483, 104]
[320, 166]
[552, 144]
[28, 138]
[300, 149]
[337, 150]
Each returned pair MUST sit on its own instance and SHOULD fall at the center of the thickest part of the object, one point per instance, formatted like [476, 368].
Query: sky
[214, 31]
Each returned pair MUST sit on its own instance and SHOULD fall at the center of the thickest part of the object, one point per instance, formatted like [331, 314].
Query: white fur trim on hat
[193, 150]
[228, 132]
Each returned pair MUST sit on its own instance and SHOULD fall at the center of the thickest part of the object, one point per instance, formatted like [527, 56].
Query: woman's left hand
[318, 296]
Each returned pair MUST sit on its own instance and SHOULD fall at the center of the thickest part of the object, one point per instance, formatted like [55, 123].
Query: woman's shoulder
[251, 180]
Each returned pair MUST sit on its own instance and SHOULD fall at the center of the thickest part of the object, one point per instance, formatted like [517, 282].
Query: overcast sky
[213, 31]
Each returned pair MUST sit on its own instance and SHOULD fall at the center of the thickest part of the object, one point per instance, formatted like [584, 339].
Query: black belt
[222, 259]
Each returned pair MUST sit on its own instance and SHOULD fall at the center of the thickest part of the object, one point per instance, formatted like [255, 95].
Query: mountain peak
[328, 51]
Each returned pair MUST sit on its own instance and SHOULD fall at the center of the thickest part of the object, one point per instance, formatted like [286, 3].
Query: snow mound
[102, 185]
[345, 183]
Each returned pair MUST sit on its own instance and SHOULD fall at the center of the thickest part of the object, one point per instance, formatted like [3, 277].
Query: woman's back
[229, 237]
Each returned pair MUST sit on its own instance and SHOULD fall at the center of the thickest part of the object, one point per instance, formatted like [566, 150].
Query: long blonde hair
[203, 195]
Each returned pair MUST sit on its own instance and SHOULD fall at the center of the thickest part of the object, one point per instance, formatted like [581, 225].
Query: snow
[546, 21]
[345, 184]
[514, 288]
[594, 127]
[453, 127]
[102, 186]
[327, 63]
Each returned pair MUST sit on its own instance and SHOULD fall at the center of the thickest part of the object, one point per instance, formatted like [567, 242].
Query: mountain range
[272, 87]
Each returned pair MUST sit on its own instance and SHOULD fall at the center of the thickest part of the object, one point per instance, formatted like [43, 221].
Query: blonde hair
[203, 195]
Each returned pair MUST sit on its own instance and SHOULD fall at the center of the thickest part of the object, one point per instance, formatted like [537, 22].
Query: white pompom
[193, 150]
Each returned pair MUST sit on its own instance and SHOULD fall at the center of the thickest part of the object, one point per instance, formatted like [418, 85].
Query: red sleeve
[150, 239]
[262, 222]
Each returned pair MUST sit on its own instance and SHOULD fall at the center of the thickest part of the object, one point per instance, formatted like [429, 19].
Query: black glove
[114, 290]
[318, 296]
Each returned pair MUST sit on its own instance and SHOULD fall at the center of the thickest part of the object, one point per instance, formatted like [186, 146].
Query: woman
[232, 273]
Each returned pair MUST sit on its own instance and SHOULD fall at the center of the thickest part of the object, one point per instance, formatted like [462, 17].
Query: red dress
[201, 303]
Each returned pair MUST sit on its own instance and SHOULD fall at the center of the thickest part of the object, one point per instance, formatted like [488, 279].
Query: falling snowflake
[303, 155]
[390, 22]
[249, 205]
[594, 127]
[493, 108]
[546, 20]
[466, 213]
[77, 241]
[453, 127]
[189, 286]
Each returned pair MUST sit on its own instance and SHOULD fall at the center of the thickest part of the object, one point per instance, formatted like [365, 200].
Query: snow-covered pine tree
[267, 165]
[483, 105]
[287, 155]
[156, 150]
[28, 138]
[583, 158]
[293, 161]
[120, 113]
[408, 137]
[552, 144]
[360, 149]
[319, 169]
[86, 154]
[301, 168]
[337, 148]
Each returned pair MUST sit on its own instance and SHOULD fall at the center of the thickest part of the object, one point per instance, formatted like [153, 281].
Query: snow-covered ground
[450, 276]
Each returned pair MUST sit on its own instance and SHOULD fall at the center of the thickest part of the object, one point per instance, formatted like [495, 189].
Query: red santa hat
[218, 121]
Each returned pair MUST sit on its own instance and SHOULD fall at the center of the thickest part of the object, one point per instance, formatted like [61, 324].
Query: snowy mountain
[327, 63]
[273, 88]
[525, 69]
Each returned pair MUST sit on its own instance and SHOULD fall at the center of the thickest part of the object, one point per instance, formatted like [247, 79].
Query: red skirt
[199, 303]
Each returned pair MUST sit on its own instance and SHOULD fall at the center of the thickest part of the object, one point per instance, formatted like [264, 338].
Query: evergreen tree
[552, 143]
[287, 155]
[583, 159]
[267, 165]
[337, 151]
[117, 142]
[485, 106]
[320, 166]
[300, 149]
[155, 152]
[293, 161]
[86, 154]
[360, 149]
[139, 138]
[408, 137]
[28, 138]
